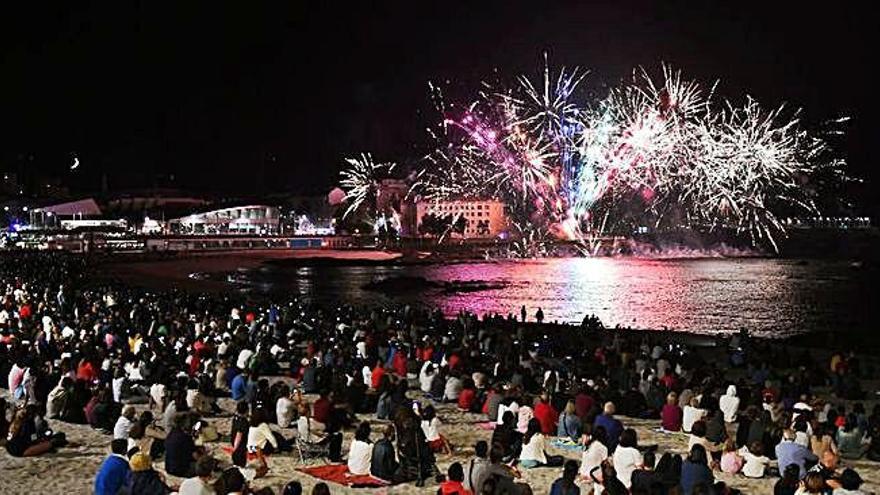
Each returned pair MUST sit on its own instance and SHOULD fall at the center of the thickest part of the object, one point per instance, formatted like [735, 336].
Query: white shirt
[117, 388]
[626, 460]
[689, 416]
[431, 429]
[513, 407]
[754, 465]
[534, 450]
[592, 457]
[243, 357]
[729, 403]
[258, 436]
[285, 410]
[157, 393]
[195, 486]
[122, 427]
[424, 378]
[360, 455]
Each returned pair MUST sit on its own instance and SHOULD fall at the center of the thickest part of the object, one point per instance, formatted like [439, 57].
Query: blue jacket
[789, 452]
[112, 475]
[613, 427]
[239, 387]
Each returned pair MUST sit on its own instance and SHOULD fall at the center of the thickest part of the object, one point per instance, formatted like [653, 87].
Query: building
[486, 218]
[249, 219]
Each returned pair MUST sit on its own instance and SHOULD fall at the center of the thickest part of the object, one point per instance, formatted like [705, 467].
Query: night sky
[205, 95]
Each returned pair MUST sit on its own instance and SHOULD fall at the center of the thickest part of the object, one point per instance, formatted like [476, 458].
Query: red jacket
[453, 487]
[547, 416]
[466, 399]
[378, 373]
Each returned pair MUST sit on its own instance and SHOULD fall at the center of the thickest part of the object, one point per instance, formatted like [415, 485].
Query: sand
[72, 470]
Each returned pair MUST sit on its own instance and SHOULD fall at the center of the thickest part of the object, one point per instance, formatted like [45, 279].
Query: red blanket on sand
[338, 473]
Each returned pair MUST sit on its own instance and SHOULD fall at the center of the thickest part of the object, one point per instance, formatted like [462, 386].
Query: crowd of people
[147, 368]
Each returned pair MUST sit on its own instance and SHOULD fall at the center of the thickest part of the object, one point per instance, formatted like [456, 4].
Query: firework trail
[361, 181]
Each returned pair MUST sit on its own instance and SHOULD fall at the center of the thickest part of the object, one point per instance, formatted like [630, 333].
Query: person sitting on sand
[360, 452]
[627, 457]
[613, 427]
[566, 484]
[24, 438]
[454, 481]
[114, 471]
[534, 453]
[143, 479]
[383, 462]
[507, 437]
[180, 450]
[671, 414]
[569, 425]
[200, 484]
[691, 413]
[755, 462]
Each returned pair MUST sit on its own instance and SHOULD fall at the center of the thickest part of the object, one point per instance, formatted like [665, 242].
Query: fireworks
[664, 152]
[361, 181]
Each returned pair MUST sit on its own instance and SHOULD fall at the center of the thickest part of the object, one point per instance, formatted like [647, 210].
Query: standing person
[539, 316]
[566, 485]
[522, 314]
[239, 434]
[431, 427]
[627, 457]
[114, 470]
[360, 453]
[695, 470]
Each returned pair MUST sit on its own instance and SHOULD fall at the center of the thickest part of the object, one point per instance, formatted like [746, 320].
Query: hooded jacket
[729, 404]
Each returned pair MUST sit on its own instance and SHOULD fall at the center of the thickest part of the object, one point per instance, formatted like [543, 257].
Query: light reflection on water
[770, 297]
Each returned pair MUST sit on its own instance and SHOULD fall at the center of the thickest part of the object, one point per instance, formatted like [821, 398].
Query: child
[431, 428]
[755, 460]
[731, 462]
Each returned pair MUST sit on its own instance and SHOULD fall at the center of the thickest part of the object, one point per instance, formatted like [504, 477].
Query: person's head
[205, 466]
[829, 459]
[628, 438]
[650, 459]
[534, 427]
[292, 488]
[698, 455]
[672, 399]
[570, 470]
[850, 480]
[600, 434]
[119, 446]
[508, 419]
[570, 409]
[429, 413]
[609, 408]
[321, 489]
[813, 483]
[481, 449]
[699, 429]
[232, 481]
[129, 412]
[137, 431]
[757, 448]
[241, 407]
[791, 474]
[363, 432]
[730, 445]
[455, 472]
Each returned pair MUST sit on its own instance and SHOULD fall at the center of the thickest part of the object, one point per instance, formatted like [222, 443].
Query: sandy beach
[72, 469]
